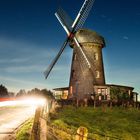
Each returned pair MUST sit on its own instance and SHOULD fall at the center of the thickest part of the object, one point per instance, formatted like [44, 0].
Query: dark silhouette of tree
[37, 92]
[34, 92]
[22, 92]
[47, 93]
[3, 91]
[119, 96]
[11, 94]
[115, 93]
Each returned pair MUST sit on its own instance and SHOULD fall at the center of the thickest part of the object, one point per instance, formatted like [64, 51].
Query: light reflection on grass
[116, 122]
[24, 132]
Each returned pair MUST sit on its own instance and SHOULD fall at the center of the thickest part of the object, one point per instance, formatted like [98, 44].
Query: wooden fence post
[43, 129]
[35, 128]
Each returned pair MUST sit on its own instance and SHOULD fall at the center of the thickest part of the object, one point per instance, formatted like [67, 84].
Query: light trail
[15, 111]
[29, 101]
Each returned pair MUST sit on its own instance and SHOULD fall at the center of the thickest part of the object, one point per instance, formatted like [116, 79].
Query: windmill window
[75, 57]
[95, 56]
[72, 75]
[97, 74]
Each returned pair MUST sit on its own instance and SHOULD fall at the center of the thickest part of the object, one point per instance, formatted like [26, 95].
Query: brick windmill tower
[82, 79]
[87, 63]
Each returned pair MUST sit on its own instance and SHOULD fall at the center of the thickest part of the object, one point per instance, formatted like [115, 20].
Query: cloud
[24, 69]
[125, 37]
[108, 19]
[16, 48]
[14, 60]
[17, 51]
[16, 84]
[32, 69]
[103, 16]
[23, 62]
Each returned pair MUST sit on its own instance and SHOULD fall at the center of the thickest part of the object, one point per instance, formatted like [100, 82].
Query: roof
[61, 89]
[89, 36]
[110, 85]
[136, 93]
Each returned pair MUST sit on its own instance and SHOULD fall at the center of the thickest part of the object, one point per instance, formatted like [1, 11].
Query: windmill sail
[67, 22]
[47, 72]
[82, 15]
[82, 53]
[64, 19]
[81, 59]
[70, 27]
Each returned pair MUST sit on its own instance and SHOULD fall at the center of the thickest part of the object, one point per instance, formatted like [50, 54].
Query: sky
[30, 37]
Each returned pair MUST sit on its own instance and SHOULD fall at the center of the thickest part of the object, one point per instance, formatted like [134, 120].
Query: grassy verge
[116, 122]
[24, 132]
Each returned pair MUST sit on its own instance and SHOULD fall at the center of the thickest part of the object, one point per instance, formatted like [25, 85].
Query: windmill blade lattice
[70, 28]
[64, 18]
[47, 72]
[83, 14]
[80, 50]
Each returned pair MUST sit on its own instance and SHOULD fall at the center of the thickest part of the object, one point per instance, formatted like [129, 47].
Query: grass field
[24, 132]
[115, 123]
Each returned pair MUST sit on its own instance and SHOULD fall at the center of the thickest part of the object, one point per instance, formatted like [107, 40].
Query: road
[12, 117]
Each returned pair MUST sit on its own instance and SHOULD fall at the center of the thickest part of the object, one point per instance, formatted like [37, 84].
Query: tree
[34, 92]
[47, 93]
[11, 94]
[22, 92]
[119, 95]
[3, 91]
[115, 93]
[125, 98]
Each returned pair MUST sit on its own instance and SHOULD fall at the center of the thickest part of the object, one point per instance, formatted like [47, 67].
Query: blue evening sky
[30, 37]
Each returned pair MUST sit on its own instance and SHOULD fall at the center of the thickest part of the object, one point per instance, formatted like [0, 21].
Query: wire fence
[72, 133]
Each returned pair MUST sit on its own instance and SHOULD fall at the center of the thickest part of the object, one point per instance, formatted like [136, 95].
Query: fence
[41, 114]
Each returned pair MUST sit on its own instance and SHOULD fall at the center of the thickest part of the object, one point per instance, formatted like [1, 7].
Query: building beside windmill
[85, 82]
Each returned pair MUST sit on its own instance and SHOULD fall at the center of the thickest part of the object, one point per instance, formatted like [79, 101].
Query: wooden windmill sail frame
[70, 30]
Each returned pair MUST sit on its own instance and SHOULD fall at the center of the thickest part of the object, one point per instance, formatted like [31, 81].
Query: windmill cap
[89, 36]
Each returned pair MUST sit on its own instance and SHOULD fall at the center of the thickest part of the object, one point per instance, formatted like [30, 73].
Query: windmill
[87, 63]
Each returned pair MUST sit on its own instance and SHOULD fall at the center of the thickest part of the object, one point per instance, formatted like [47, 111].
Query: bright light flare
[32, 101]
[8, 103]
